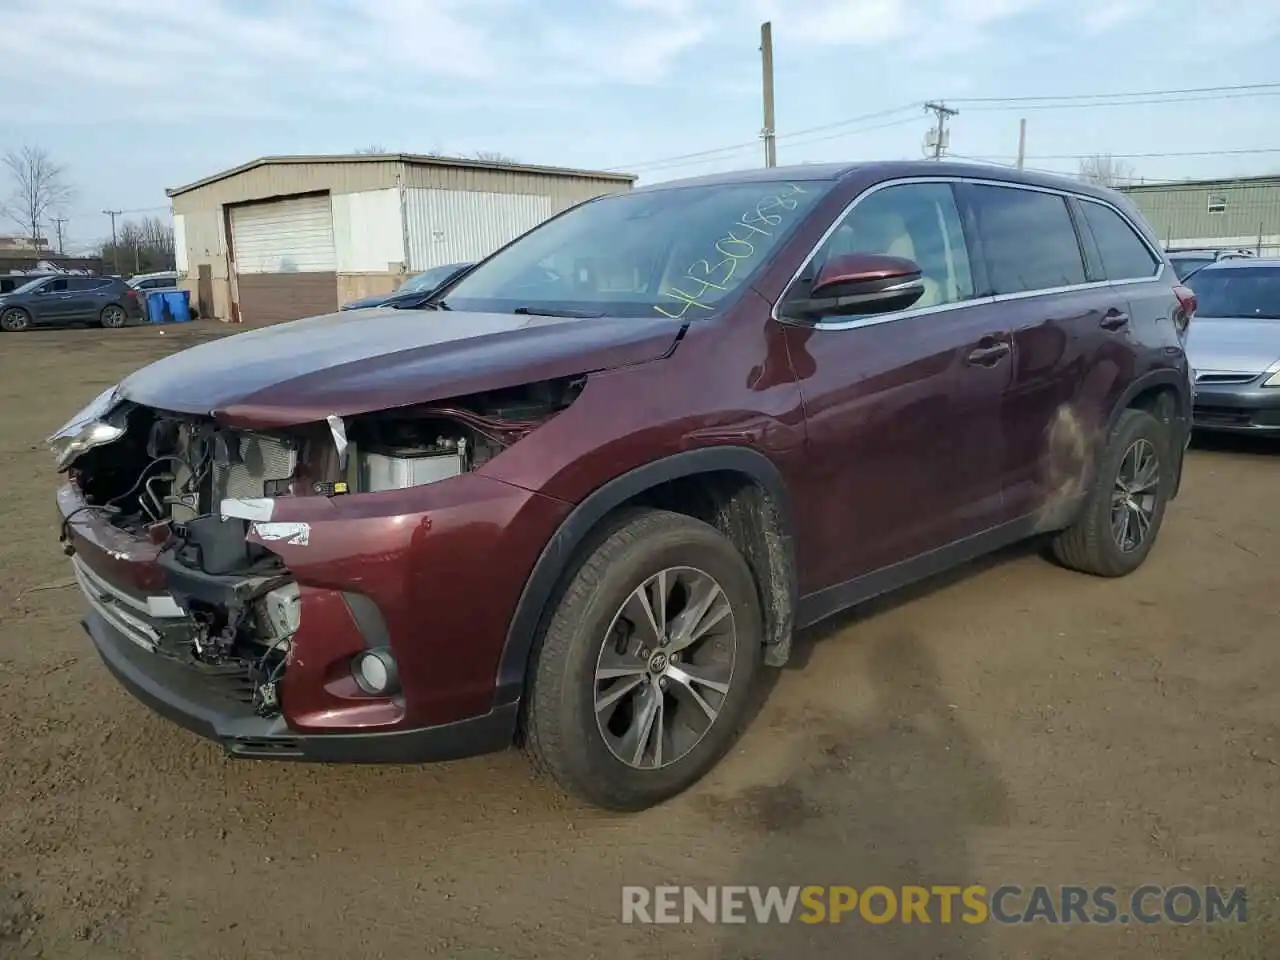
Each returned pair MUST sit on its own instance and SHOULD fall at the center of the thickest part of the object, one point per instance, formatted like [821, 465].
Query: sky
[134, 96]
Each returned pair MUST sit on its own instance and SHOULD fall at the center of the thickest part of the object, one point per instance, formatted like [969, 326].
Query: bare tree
[143, 246]
[492, 156]
[1105, 170]
[37, 187]
[376, 149]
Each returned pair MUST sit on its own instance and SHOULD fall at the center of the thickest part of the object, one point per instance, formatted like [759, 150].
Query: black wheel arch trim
[1181, 386]
[561, 549]
[1167, 377]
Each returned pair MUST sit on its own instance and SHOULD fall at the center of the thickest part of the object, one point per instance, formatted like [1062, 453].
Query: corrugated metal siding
[564, 190]
[283, 179]
[448, 226]
[287, 236]
[180, 243]
[367, 231]
[1180, 211]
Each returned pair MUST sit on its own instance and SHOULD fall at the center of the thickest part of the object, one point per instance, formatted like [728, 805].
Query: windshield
[429, 280]
[1238, 292]
[673, 253]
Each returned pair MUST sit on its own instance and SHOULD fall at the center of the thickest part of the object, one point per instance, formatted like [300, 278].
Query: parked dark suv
[584, 495]
[56, 300]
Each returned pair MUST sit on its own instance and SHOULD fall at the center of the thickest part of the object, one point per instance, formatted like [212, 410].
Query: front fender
[555, 562]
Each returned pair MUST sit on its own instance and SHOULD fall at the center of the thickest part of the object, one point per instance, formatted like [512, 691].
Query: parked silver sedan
[1234, 346]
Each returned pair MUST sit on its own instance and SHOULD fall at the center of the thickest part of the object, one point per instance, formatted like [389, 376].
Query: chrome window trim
[875, 320]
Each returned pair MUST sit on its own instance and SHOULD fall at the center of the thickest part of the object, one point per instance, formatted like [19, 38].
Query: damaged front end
[180, 542]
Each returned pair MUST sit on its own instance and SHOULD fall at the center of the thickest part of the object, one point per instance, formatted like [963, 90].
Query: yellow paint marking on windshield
[736, 245]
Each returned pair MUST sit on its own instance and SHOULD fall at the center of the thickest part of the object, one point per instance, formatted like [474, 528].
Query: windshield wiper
[426, 303]
[556, 312]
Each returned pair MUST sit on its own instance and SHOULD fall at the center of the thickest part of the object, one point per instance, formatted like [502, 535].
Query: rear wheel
[1123, 512]
[14, 320]
[643, 674]
[114, 317]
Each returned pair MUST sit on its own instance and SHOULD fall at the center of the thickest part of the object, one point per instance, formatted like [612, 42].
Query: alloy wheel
[13, 321]
[1134, 498]
[665, 668]
[113, 317]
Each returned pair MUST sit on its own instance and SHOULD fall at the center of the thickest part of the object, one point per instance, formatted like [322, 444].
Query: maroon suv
[584, 494]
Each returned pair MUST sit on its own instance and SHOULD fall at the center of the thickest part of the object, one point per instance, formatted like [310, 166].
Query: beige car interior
[884, 228]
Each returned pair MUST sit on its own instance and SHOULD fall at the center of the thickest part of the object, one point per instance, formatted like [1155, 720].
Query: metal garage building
[287, 237]
[1240, 213]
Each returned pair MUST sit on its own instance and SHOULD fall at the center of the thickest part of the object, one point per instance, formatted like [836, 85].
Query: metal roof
[410, 158]
[1255, 181]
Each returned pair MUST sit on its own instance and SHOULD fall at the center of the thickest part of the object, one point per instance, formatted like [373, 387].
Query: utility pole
[943, 112]
[115, 251]
[1022, 141]
[57, 225]
[768, 134]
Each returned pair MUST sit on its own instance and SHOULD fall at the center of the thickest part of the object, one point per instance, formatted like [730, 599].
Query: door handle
[989, 356]
[1114, 320]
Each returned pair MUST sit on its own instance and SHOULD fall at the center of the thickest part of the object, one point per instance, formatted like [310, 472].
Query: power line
[1053, 173]
[1141, 156]
[665, 162]
[1090, 104]
[1055, 102]
[1107, 96]
[94, 213]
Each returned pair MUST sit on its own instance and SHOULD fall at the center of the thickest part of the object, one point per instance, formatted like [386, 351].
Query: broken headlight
[87, 429]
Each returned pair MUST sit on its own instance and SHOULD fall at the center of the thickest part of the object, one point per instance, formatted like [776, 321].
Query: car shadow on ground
[885, 796]
[1235, 443]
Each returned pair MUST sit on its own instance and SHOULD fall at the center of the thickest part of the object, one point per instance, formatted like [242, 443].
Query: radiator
[261, 459]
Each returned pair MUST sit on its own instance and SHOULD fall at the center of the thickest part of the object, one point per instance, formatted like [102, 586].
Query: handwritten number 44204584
[735, 246]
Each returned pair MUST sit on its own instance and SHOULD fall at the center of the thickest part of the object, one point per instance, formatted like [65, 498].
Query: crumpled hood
[366, 360]
[1233, 345]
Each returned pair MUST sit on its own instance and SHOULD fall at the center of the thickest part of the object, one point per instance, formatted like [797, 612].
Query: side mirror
[862, 284]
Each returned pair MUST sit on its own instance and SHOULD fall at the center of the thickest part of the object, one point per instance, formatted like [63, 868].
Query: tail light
[1186, 308]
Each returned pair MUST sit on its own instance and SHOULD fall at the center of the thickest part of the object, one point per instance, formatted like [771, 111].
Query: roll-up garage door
[285, 262]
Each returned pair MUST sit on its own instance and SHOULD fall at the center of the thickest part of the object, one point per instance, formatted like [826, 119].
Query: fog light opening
[375, 672]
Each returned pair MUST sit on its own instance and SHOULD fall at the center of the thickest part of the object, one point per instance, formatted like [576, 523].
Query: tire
[15, 320]
[1091, 545]
[561, 732]
[113, 317]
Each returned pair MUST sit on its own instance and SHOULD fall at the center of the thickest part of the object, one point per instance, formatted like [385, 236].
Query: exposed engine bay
[165, 478]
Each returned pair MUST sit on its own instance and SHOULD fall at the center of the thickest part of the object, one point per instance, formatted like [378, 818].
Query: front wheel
[1123, 512]
[114, 317]
[14, 320]
[643, 674]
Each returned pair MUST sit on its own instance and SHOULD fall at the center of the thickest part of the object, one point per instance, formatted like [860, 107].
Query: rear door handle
[1114, 320]
[989, 356]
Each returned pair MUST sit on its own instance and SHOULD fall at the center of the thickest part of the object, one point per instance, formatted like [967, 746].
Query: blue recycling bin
[169, 306]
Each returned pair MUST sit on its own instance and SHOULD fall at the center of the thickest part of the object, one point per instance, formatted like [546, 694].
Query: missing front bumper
[186, 696]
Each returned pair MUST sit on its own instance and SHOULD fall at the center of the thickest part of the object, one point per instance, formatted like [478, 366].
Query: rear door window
[83, 284]
[1124, 254]
[1028, 239]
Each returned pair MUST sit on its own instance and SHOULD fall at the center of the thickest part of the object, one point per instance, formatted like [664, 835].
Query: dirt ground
[1014, 723]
